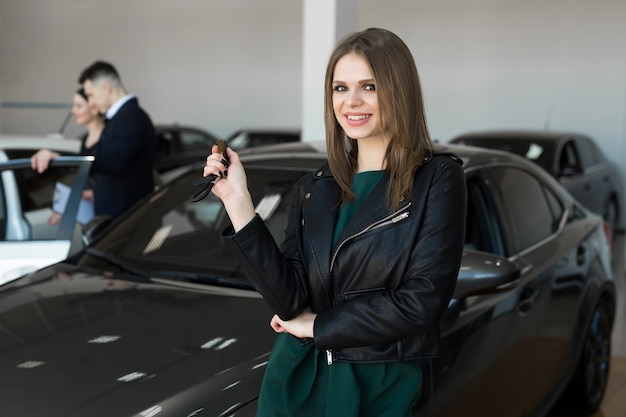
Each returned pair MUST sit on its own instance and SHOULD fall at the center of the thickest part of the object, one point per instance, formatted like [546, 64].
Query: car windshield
[539, 151]
[171, 236]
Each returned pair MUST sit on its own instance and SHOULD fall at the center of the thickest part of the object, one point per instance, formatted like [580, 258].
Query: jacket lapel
[319, 212]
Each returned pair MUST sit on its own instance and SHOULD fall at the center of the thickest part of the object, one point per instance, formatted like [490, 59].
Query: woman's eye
[369, 87]
[340, 88]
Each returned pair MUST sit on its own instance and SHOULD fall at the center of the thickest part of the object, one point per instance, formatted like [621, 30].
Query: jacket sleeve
[277, 275]
[418, 303]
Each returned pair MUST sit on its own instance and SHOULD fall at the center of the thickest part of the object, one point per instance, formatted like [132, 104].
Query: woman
[87, 115]
[372, 247]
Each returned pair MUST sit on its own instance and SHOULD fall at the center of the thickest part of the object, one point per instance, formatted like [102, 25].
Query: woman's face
[83, 111]
[355, 101]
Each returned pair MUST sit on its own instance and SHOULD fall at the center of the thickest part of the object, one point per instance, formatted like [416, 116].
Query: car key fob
[205, 184]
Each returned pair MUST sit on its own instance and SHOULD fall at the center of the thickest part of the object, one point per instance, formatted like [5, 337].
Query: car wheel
[592, 373]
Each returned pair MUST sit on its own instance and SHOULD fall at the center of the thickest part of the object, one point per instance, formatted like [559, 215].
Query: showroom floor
[614, 402]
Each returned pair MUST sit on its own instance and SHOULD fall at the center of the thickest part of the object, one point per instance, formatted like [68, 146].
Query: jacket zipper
[394, 217]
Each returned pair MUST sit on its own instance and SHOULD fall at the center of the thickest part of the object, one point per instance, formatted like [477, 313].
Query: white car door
[27, 241]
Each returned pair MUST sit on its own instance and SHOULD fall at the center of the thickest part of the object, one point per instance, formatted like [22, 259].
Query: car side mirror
[484, 273]
[94, 227]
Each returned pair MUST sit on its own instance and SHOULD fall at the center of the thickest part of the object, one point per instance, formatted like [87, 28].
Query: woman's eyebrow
[369, 80]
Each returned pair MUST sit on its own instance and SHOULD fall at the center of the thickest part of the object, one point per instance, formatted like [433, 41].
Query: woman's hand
[41, 159]
[231, 186]
[301, 326]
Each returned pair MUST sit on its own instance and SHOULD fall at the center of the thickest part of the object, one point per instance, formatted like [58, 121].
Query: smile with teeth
[358, 117]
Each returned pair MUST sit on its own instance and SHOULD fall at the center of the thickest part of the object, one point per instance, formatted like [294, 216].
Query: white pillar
[324, 23]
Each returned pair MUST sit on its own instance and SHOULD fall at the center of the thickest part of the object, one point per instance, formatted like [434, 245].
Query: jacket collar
[320, 212]
[112, 111]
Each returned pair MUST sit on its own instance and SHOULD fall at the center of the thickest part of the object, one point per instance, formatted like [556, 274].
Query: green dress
[298, 381]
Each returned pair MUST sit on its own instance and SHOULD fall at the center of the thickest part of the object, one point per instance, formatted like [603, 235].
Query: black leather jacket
[380, 294]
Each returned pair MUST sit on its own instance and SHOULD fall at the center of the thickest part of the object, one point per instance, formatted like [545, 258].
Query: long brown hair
[402, 115]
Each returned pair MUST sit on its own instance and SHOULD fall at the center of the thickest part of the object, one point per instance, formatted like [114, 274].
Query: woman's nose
[354, 97]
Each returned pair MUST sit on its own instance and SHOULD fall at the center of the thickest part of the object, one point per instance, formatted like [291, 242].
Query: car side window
[483, 230]
[589, 153]
[530, 209]
[259, 140]
[269, 139]
[167, 144]
[37, 190]
[192, 141]
[569, 161]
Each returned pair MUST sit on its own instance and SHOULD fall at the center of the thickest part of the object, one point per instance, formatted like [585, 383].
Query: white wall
[216, 64]
[221, 65]
[500, 63]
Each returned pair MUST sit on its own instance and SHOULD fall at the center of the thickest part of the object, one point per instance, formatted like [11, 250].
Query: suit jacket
[124, 165]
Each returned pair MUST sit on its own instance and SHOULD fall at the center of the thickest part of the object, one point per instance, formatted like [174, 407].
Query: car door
[597, 173]
[488, 338]
[27, 241]
[536, 217]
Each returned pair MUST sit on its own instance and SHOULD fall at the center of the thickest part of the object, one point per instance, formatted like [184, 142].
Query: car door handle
[581, 255]
[527, 300]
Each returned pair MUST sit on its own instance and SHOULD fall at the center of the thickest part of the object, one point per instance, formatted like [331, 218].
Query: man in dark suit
[124, 165]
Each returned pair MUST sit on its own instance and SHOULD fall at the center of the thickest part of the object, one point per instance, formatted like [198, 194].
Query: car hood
[74, 342]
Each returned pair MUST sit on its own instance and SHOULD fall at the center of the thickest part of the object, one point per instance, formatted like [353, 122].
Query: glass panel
[588, 152]
[192, 141]
[167, 144]
[523, 202]
[172, 232]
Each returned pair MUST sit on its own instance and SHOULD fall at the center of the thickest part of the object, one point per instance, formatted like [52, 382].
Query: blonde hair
[402, 115]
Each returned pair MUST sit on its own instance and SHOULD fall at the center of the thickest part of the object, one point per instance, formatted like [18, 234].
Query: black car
[179, 145]
[573, 159]
[248, 138]
[155, 318]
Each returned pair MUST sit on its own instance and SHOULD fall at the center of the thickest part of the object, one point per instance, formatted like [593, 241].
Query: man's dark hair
[97, 70]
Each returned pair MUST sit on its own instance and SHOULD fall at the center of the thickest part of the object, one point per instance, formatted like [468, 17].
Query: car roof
[537, 135]
[270, 129]
[472, 157]
[318, 147]
[469, 154]
[22, 141]
[280, 130]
